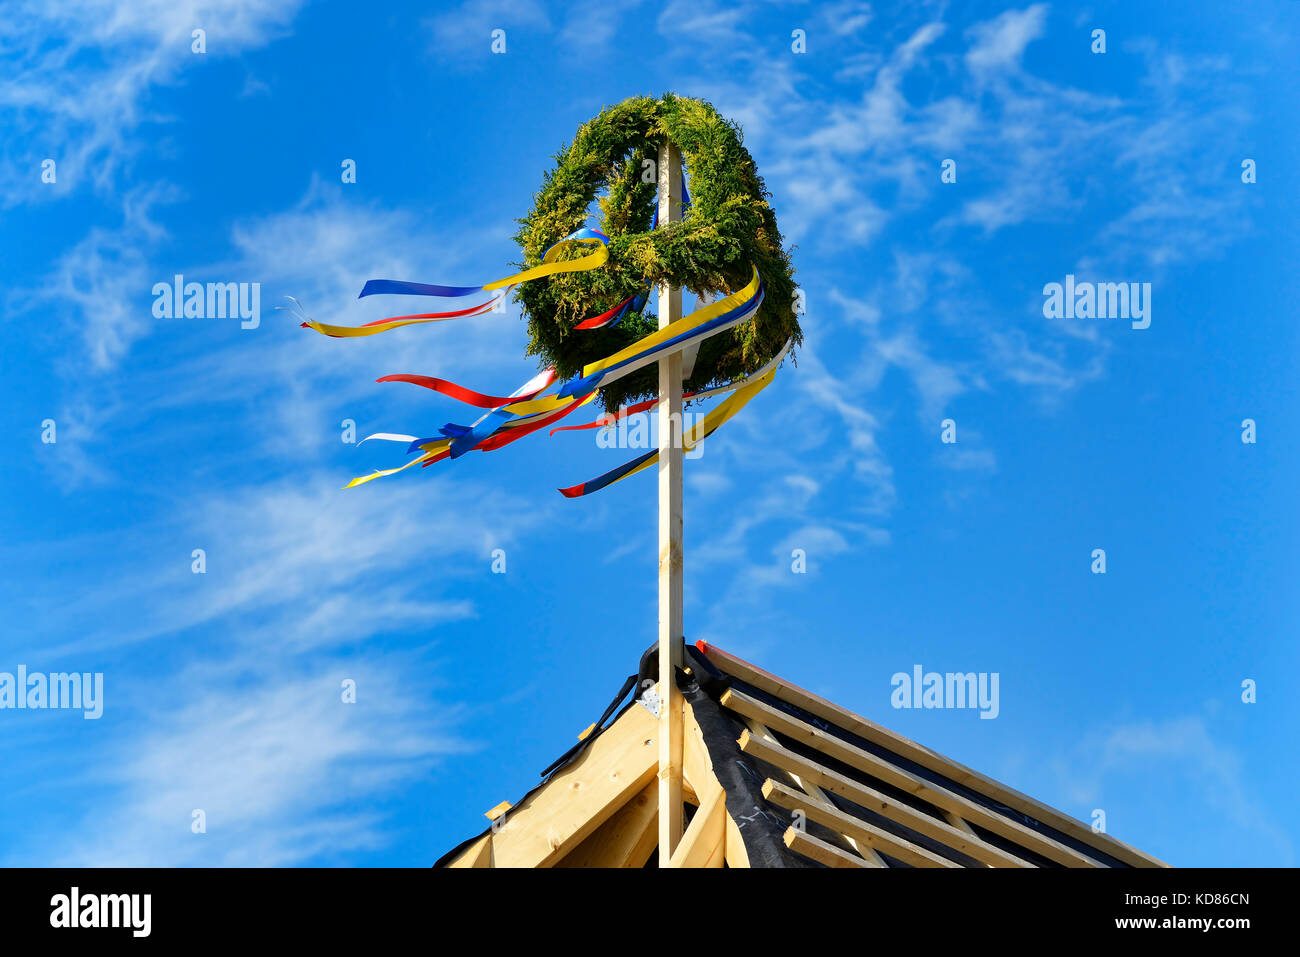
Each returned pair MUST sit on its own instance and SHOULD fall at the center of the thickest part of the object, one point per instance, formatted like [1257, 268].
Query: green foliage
[728, 226]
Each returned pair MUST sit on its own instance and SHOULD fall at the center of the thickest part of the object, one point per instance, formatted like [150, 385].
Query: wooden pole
[671, 651]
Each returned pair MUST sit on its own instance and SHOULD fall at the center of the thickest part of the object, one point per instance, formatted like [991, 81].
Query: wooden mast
[671, 651]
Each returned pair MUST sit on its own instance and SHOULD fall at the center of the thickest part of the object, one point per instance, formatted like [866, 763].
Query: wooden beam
[671, 553]
[697, 764]
[627, 839]
[735, 853]
[719, 856]
[872, 799]
[578, 799]
[478, 854]
[702, 844]
[960, 824]
[820, 851]
[907, 748]
[815, 792]
[866, 835]
[940, 797]
[697, 768]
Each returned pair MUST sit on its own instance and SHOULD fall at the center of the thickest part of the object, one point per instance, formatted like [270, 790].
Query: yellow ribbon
[713, 421]
[538, 407]
[352, 332]
[673, 330]
[430, 448]
[550, 267]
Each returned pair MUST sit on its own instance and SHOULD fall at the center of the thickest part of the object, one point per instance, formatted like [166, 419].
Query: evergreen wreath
[727, 226]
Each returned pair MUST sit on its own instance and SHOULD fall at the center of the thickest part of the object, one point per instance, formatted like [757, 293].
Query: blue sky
[1120, 692]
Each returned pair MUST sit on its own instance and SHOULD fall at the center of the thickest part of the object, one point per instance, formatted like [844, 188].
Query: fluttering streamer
[549, 267]
[528, 409]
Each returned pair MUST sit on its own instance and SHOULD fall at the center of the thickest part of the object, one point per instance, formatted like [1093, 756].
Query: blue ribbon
[397, 287]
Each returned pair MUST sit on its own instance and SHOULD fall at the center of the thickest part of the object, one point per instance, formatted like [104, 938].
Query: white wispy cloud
[701, 21]
[1187, 752]
[999, 43]
[464, 33]
[304, 587]
[278, 764]
[78, 76]
[593, 26]
[847, 16]
[100, 286]
[278, 554]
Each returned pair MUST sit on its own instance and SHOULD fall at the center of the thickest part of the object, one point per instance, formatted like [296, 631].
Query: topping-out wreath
[727, 227]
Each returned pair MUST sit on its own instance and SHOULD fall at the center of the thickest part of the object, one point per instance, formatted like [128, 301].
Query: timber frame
[774, 776]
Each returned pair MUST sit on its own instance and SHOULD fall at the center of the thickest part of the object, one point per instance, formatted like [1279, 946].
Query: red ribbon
[462, 394]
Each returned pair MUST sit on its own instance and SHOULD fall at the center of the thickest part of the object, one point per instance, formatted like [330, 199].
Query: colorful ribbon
[751, 386]
[697, 326]
[460, 393]
[607, 419]
[513, 429]
[526, 410]
[610, 318]
[548, 267]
